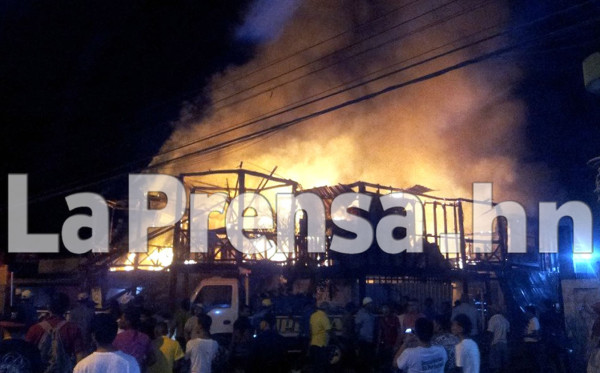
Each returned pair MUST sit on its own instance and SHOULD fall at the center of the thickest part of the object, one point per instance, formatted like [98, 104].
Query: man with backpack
[59, 341]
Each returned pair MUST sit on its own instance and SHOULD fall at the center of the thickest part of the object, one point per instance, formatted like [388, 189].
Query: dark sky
[90, 86]
[86, 87]
[563, 126]
[563, 119]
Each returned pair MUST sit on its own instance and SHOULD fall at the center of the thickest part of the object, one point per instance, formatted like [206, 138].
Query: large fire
[444, 133]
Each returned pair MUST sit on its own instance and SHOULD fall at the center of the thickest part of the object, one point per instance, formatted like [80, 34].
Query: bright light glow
[157, 259]
[584, 263]
[151, 268]
[278, 257]
[582, 257]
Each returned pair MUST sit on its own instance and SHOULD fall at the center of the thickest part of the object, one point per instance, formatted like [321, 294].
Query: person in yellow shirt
[320, 327]
[168, 352]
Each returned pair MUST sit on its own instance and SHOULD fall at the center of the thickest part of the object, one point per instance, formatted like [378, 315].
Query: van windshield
[215, 296]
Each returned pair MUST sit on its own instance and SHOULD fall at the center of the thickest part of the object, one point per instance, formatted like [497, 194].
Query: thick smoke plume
[445, 133]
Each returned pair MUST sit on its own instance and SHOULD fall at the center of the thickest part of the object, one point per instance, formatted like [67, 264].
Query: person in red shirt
[408, 319]
[387, 337]
[133, 342]
[70, 334]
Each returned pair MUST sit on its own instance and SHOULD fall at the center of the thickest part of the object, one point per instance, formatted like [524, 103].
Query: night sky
[90, 87]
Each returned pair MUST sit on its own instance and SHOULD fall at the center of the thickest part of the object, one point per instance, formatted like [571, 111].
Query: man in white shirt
[467, 352]
[499, 326]
[417, 355]
[532, 333]
[106, 358]
[532, 339]
[201, 351]
[471, 311]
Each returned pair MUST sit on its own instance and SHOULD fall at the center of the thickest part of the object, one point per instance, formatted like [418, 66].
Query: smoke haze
[445, 133]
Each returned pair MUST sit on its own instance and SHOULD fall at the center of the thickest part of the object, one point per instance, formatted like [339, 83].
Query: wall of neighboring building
[579, 296]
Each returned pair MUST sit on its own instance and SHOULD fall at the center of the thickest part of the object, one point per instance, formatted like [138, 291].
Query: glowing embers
[156, 259]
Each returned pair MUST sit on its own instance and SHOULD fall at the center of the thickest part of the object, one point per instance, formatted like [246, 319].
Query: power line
[369, 96]
[73, 186]
[319, 43]
[323, 68]
[265, 116]
[320, 98]
[385, 15]
[303, 102]
[182, 97]
[321, 58]
[292, 122]
[422, 28]
[262, 118]
[318, 113]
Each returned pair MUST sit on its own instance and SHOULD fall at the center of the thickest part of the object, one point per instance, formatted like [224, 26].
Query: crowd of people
[409, 337]
[420, 337]
[125, 339]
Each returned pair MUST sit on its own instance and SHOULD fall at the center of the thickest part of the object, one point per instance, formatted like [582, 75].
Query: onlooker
[309, 307]
[201, 351]
[446, 310]
[387, 337]
[168, 352]
[147, 323]
[348, 337]
[466, 308]
[467, 352]
[531, 339]
[532, 333]
[424, 358]
[499, 326]
[190, 330]
[180, 317]
[269, 349]
[412, 314]
[443, 337]
[348, 324]
[553, 337]
[82, 314]
[16, 355]
[132, 341]
[365, 329]
[266, 307]
[319, 338]
[429, 310]
[403, 304]
[26, 312]
[114, 309]
[106, 358]
[69, 343]
[241, 340]
[243, 323]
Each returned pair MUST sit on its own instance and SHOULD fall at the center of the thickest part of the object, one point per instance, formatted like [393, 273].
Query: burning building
[401, 94]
